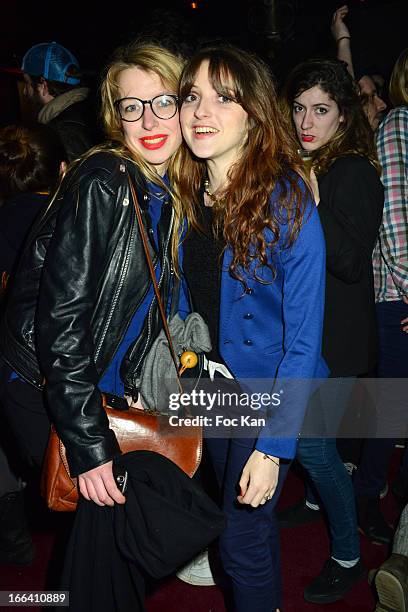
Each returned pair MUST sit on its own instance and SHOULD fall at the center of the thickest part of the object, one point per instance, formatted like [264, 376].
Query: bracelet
[270, 459]
[343, 38]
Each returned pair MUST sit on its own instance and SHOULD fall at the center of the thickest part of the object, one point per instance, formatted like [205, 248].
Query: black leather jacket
[93, 279]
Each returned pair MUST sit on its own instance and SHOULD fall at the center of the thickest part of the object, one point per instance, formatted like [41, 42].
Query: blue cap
[51, 61]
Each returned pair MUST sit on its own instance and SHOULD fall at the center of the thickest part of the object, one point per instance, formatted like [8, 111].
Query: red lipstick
[306, 138]
[153, 142]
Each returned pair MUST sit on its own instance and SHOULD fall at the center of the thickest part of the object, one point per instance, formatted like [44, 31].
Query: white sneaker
[197, 571]
[350, 467]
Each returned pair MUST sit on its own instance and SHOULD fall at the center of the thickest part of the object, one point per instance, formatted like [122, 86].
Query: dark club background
[282, 31]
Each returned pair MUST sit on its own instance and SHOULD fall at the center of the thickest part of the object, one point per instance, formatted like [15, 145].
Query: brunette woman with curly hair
[329, 122]
[254, 259]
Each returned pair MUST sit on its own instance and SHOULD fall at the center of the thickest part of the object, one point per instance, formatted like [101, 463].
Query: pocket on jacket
[273, 348]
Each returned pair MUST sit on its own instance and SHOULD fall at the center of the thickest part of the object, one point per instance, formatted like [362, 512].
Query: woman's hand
[338, 27]
[259, 479]
[404, 322]
[315, 186]
[99, 486]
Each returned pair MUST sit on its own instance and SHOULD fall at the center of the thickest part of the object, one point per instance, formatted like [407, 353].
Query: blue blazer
[274, 331]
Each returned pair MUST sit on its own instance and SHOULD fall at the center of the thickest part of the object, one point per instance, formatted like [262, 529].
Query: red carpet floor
[304, 550]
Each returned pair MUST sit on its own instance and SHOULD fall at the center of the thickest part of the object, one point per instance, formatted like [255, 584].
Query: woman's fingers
[257, 496]
[90, 490]
[259, 480]
[99, 486]
[338, 26]
[103, 498]
[112, 490]
[340, 13]
[83, 489]
[243, 484]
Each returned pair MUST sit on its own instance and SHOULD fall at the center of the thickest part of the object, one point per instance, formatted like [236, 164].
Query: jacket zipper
[30, 381]
[117, 292]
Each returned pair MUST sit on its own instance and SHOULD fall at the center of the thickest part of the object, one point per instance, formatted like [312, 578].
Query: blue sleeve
[184, 300]
[184, 308]
[304, 270]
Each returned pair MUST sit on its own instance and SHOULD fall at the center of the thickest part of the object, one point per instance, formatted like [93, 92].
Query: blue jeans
[392, 363]
[249, 546]
[319, 456]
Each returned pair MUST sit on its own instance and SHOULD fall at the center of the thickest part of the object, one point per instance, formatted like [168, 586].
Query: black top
[350, 210]
[16, 217]
[202, 268]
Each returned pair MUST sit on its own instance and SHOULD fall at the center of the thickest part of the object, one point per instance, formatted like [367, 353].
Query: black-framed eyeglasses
[132, 109]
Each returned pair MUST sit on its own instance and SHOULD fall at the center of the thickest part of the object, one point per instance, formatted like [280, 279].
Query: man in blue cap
[52, 83]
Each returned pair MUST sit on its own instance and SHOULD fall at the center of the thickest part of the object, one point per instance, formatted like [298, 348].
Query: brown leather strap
[4, 280]
[153, 275]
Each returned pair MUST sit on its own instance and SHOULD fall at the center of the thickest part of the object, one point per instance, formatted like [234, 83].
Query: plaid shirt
[390, 257]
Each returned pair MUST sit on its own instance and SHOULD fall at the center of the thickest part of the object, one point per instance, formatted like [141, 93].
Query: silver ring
[267, 497]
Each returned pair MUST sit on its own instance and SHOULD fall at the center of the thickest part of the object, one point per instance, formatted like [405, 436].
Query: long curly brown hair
[267, 161]
[354, 135]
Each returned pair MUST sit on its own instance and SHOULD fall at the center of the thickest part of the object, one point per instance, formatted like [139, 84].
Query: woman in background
[32, 160]
[327, 117]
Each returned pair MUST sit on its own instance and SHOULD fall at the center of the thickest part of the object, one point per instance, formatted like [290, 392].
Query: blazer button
[248, 342]
[227, 341]
[249, 291]
[248, 315]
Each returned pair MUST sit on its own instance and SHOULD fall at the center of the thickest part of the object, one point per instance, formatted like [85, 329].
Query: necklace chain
[213, 198]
